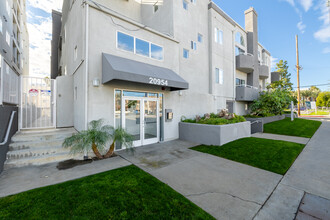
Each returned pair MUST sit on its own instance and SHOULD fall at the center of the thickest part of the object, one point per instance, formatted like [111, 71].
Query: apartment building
[14, 62]
[143, 65]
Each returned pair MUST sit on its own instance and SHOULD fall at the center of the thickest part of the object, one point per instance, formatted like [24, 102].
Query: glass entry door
[141, 119]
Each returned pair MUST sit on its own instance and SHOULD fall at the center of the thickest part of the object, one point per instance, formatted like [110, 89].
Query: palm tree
[96, 137]
[120, 136]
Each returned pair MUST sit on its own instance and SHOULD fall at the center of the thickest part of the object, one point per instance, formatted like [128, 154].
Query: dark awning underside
[118, 68]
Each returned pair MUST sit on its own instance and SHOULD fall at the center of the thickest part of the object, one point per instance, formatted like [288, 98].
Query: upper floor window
[125, 42]
[218, 36]
[7, 7]
[156, 7]
[75, 53]
[8, 38]
[185, 53]
[140, 47]
[240, 39]
[239, 51]
[1, 25]
[193, 45]
[185, 4]
[200, 38]
[240, 82]
[219, 76]
[193, 1]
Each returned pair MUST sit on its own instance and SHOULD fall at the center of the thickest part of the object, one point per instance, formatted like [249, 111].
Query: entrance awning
[118, 68]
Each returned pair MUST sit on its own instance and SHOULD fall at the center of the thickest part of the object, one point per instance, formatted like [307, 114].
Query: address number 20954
[156, 81]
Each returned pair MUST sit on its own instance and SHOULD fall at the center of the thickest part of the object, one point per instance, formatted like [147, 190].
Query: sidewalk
[309, 175]
[298, 140]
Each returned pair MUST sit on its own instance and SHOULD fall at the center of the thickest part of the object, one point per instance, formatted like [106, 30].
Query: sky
[279, 22]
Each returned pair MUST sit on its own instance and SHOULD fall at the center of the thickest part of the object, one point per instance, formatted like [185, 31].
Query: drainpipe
[86, 68]
[234, 72]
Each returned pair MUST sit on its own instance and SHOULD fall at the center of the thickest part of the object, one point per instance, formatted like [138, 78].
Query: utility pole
[298, 79]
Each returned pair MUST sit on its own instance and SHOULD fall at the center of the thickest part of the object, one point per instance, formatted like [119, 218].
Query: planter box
[213, 134]
[257, 124]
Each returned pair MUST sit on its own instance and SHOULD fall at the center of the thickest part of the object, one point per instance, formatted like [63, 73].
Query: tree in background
[323, 100]
[285, 77]
[314, 92]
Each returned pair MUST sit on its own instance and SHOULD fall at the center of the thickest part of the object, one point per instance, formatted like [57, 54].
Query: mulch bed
[68, 164]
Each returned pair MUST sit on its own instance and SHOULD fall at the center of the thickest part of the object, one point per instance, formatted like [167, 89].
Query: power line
[327, 84]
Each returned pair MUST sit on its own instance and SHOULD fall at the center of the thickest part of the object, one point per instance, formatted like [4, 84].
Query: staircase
[38, 147]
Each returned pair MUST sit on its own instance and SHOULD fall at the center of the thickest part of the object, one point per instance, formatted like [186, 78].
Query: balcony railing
[244, 63]
[246, 93]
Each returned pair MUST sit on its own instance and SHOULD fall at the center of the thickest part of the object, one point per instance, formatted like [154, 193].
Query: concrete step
[36, 152]
[40, 160]
[35, 136]
[34, 144]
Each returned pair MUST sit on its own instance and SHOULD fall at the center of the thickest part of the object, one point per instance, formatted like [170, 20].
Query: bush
[215, 119]
[272, 102]
[323, 100]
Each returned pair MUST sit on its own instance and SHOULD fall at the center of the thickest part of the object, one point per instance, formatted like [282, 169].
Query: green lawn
[274, 156]
[318, 113]
[125, 193]
[299, 127]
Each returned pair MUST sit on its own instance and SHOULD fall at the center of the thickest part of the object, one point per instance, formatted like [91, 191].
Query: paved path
[18, 180]
[223, 188]
[298, 140]
[310, 174]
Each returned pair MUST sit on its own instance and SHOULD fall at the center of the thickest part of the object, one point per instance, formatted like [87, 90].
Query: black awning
[118, 68]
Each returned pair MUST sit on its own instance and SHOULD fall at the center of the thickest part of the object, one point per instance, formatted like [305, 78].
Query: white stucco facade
[90, 29]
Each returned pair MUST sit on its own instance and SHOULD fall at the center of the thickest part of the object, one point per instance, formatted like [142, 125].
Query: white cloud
[40, 35]
[291, 2]
[273, 61]
[306, 4]
[301, 26]
[326, 50]
[323, 34]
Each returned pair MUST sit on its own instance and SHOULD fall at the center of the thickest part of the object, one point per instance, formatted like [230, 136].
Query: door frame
[142, 100]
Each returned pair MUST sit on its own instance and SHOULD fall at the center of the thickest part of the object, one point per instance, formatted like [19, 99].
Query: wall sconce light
[180, 93]
[96, 82]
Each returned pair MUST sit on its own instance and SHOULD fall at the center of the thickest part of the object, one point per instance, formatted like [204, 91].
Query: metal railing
[8, 128]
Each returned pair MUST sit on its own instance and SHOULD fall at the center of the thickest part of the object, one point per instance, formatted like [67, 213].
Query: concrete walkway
[310, 174]
[298, 140]
[223, 188]
[18, 180]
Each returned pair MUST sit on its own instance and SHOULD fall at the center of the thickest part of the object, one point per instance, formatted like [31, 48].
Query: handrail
[9, 128]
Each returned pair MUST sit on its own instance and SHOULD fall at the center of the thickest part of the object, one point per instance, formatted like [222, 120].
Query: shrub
[215, 119]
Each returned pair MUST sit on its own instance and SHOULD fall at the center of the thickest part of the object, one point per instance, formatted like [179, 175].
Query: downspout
[86, 69]
[234, 70]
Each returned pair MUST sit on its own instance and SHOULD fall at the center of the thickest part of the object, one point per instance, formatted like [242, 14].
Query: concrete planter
[257, 124]
[213, 134]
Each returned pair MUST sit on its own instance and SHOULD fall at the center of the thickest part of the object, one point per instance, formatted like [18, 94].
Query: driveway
[223, 188]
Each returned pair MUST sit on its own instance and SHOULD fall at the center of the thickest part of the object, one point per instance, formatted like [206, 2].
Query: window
[200, 38]
[240, 82]
[142, 47]
[1, 25]
[125, 42]
[193, 45]
[75, 53]
[155, 8]
[185, 4]
[186, 53]
[157, 52]
[219, 76]
[239, 39]
[218, 36]
[193, 1]
[239, 51]
[138, 46]
[8, 38]
[8, 8]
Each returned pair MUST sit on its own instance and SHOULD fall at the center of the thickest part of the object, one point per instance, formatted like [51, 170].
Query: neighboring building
[55, 47]
[144, 66]
[14, 62]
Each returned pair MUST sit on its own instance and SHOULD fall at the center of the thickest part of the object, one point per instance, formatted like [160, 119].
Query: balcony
[275, 77]
[244, 63]
[246, 93]
[263, 71]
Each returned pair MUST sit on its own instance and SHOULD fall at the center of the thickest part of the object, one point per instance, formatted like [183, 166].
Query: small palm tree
[96, 137]
[120, 136]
